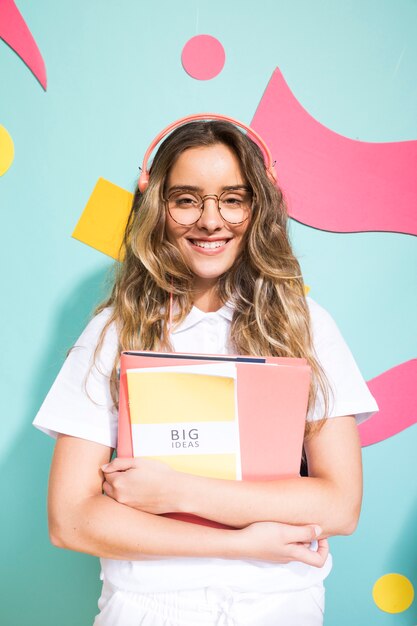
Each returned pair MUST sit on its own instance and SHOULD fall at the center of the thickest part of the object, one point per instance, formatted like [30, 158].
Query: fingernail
[317, 530]
[103, 467]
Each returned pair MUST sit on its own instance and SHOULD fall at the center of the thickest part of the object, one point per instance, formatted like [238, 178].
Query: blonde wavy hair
[264, 285]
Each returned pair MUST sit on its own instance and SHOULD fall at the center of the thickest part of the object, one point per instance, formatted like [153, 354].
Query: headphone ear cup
[143, 181]
[272, 174]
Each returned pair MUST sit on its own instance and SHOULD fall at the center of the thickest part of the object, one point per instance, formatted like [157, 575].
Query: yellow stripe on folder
[171, 397]
[209, 465]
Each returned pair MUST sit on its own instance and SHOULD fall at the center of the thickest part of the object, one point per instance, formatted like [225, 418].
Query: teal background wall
[114, 80]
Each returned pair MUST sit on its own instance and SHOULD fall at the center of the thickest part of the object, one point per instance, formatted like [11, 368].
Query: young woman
[208, 268]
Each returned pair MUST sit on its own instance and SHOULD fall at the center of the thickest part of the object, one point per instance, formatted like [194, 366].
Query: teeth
[209, 244]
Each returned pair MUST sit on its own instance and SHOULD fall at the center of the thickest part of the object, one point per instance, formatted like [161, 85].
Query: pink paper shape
[396, 393]
[332, 182]
[16, 34]
[203, 57]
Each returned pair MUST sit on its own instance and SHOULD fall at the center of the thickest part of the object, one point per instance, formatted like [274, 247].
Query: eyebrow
[199, 189]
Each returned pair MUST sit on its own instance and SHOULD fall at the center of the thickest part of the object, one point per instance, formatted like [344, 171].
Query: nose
[210, 219]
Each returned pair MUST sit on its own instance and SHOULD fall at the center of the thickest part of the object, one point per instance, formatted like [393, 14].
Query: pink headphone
[269, 164]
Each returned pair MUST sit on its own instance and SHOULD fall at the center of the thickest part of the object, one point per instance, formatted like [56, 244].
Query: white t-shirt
[85, 409]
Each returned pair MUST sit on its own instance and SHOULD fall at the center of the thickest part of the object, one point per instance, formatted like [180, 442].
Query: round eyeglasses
[186, 207]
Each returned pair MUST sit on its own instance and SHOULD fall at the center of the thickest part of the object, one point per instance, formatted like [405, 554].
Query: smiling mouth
[209, 245]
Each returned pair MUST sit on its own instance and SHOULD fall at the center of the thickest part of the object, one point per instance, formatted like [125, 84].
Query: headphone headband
[269, 165]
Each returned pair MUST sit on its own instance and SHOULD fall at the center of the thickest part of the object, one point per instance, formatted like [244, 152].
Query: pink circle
[203, 57]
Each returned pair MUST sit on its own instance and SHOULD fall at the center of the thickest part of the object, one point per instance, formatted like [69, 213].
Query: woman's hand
[81, 518]
[283, 543]
[140, 483]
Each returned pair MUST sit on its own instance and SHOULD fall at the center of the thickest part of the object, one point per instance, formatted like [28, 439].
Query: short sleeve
[79, 402]
[349, 393]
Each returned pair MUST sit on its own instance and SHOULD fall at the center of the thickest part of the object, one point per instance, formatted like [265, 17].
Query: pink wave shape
[14, 31]
[396, 394]
[332, 182]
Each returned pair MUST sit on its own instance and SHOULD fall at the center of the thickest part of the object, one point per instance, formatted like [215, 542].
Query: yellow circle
[6, 150]
[393, 593]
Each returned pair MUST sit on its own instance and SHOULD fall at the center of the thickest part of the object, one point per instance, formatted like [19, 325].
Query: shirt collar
[227, 311]
[195, 316]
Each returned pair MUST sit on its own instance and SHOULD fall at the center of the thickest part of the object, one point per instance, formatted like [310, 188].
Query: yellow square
[103, 221]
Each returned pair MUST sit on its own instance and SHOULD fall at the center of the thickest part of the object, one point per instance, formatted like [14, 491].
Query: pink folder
[272, 405]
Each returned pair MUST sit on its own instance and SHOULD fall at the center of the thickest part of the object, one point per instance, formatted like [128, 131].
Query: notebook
[226, 417]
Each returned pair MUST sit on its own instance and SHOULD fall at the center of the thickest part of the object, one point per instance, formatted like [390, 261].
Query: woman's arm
[330, 497]
[81, 518]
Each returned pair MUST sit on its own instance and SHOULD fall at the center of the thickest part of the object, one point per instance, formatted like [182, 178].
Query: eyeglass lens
[187, 207]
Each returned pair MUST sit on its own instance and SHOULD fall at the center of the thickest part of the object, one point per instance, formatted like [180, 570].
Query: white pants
[210, 606]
